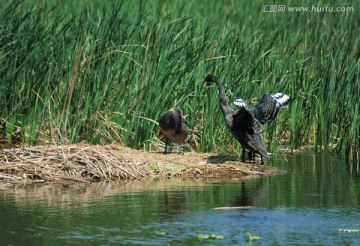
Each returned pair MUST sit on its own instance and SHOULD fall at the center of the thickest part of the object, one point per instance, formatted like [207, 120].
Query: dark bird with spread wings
[245, 123]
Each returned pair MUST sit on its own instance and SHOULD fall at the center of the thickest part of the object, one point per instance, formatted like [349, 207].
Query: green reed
[104, 73]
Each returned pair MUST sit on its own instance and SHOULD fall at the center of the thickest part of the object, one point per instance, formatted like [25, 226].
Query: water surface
[306, 206]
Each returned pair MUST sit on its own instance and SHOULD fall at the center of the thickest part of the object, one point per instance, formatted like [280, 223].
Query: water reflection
[317, 194]
[61, 194]
[252, 193]
[315, 181]
[172, 205]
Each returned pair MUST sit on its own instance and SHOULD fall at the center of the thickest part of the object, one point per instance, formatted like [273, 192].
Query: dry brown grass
[86, 163]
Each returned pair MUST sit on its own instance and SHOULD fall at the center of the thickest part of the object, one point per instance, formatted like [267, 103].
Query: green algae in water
[251, 237]
[209, 237]
[160, 233]
[349, 230]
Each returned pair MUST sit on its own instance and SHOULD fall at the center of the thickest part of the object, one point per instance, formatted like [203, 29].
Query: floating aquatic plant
[349, 230]
[160, 233]
[251, 237]
[209, 237]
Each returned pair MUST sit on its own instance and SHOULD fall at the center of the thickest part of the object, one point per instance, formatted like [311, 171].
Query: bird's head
[209, 79]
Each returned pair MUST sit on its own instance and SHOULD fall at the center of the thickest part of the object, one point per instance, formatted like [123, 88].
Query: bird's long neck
[226, 110]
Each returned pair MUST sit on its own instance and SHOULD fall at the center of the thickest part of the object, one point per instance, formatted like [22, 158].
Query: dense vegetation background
[104, 71]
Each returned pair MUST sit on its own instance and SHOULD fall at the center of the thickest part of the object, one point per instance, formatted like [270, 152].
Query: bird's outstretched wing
[268, 107]
[244, 118]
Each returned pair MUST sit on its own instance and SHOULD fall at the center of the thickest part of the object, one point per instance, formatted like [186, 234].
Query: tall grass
[104, 72]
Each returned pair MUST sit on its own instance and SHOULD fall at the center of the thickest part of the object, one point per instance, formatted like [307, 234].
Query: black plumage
[240, 124]
[245, 124]
[268, 107]
[265, 111]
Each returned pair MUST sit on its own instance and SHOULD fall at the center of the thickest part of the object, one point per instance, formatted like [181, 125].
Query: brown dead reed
[86, 163]
[67, 163]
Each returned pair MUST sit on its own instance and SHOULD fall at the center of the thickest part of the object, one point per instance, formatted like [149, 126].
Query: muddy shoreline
[87, 163]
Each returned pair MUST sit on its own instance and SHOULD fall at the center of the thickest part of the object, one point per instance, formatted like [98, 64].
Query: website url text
[314, 9]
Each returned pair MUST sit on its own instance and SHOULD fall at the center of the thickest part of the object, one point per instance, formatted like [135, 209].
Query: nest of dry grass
[86, 163]
[73, 163]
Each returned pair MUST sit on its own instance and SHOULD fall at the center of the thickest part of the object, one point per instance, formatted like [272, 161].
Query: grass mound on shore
[87, 163]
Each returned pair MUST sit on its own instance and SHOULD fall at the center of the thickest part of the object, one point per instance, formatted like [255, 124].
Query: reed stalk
[104, 73]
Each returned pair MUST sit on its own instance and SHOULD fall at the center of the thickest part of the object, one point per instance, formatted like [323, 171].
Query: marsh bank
[87, 163]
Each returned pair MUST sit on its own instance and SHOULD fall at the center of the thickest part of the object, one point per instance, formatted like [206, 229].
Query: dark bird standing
[265, 111]
[244, 124]
[174, 127]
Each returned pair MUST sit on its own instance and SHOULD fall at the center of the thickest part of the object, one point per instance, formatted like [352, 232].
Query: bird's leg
[262, 160]
[251, 155]
[243, 154]
[166, 144]
[182, 149]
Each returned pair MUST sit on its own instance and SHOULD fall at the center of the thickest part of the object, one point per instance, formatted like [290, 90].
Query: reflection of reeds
[62, 195]
[102, 73]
